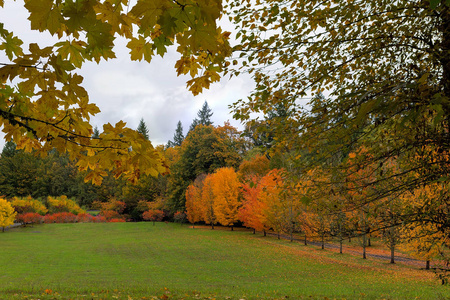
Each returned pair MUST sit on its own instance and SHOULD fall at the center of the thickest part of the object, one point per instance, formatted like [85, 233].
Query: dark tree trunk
[364, 246]
[323, 241]
[427, 266]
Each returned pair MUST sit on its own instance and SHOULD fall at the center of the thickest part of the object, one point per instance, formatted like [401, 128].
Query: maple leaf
[11, 44]
[140, 48]
[74, 51]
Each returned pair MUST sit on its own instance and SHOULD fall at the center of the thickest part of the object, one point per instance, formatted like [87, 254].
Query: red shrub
[61, 217]
[99, 219]
[49, 219]
[29, 218]
[85, 218]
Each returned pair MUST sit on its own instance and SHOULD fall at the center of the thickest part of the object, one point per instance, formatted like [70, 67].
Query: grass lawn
[169, 261]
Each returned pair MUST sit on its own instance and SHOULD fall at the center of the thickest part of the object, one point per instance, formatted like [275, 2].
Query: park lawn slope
[142, 261]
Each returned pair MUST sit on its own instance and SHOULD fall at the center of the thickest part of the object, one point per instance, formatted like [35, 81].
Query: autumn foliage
[153, 215]
[63, 204]
[7, 213]
[28, 205]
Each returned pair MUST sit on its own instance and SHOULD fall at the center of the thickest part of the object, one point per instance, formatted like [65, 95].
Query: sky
[128, 91]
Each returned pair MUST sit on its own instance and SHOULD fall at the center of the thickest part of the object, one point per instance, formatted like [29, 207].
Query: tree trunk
[364, 245]
[305, 240]
[392, 255]
[341, 238]
[232, 228]
[427, 266]
[392, 242]
[364, 234]
[254, 230]
[265, 232]
[323, 240]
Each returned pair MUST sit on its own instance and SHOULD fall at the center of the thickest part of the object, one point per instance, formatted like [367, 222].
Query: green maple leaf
[149, 11]
[73, 51]
[11, 45]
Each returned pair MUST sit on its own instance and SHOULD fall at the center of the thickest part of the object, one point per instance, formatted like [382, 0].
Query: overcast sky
[128, 91]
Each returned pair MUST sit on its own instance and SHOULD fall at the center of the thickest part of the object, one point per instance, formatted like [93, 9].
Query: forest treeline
[220, 175]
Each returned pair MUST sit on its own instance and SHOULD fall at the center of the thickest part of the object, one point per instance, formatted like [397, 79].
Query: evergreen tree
[9, 149]
[204, 117]
[96, 133]
[194, 124]
[142, 129]
[178, 137]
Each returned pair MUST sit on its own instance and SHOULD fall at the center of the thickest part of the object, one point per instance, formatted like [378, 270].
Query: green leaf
[11, 45]
[73, 51]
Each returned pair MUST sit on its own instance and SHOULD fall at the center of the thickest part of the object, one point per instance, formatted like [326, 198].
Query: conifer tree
[96, 133]
[205, 114]
[142, 129]
[178, 137]
[204, 117]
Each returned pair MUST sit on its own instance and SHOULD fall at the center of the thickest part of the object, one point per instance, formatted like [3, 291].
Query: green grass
[142, 261]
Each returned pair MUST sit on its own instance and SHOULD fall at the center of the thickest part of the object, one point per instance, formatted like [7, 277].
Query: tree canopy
[384, 68]
[43, 105]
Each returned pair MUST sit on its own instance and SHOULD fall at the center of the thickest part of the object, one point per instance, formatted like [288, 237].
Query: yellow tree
[225, 187]
[43, 104]
[207, 204]
[7, 214]
[422, 236]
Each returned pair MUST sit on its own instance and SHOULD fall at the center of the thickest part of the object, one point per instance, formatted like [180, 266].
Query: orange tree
[251, 213]
[194, 200]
